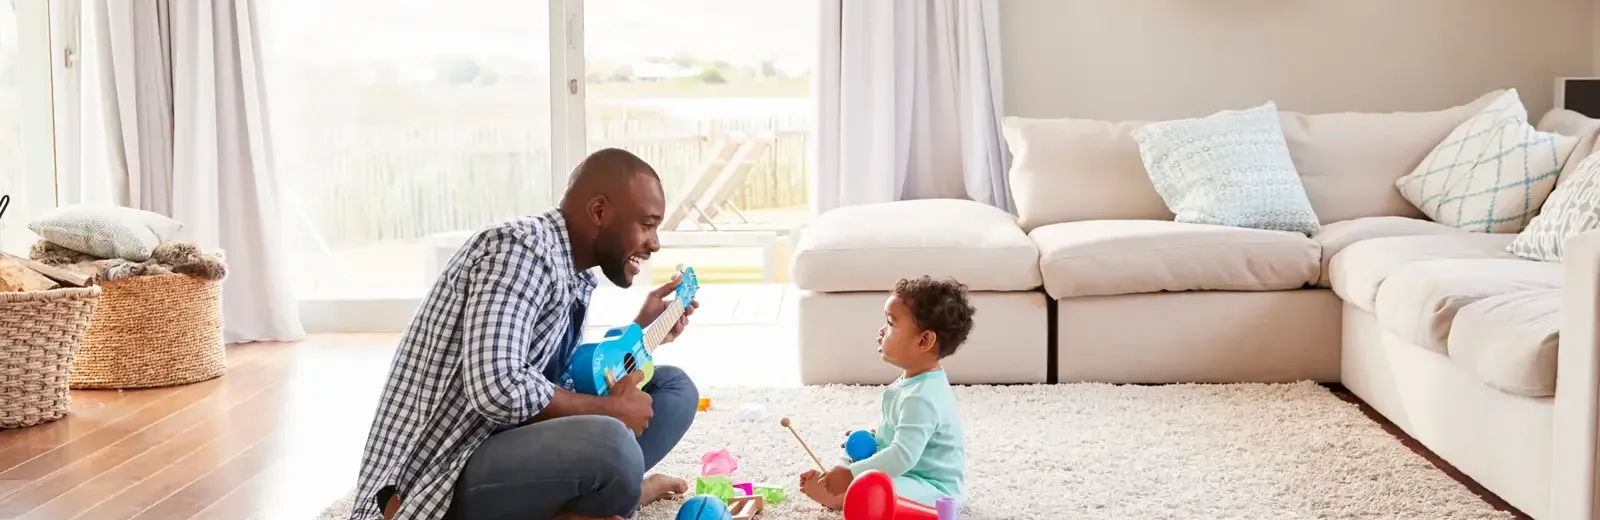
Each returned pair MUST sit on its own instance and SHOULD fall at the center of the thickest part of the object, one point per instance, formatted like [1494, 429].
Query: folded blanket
[168, 257]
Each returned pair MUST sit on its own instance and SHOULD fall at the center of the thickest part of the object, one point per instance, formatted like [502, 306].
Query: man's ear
[598, 209]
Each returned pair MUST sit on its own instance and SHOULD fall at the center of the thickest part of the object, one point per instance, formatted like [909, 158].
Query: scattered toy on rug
[169, 257]
[705, 404]
[785, 422]
[740, 500]
[703, 507]
[719, 462]
[751, 412]
[860, 445]
[871, 496]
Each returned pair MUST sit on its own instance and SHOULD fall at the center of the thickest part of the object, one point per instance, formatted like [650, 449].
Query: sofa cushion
[1066, 170]
[1106, 257]
[1492, 173]
[1568, 122]
[1419, 301]
[1356, 273]
[1573, 209]
[1230, 168]
[1348, 161]
[868, 247]
[1509, 340]
[1336, 236]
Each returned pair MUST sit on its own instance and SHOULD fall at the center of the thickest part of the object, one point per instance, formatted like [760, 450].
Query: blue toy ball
[860, 445]
[704, 507]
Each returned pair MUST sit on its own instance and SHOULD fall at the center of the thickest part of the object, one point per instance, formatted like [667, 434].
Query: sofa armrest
[1573, 491]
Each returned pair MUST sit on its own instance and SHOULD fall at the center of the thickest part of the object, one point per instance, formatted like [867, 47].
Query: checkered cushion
[1492, 173]
[1573, 208]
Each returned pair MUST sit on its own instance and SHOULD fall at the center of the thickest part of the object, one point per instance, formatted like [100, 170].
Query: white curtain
[175, 123]
[909, 103]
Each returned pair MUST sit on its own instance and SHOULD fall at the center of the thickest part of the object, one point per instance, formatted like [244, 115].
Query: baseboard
[346, 314]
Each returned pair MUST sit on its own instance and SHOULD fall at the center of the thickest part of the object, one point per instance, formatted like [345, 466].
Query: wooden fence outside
[366, 183]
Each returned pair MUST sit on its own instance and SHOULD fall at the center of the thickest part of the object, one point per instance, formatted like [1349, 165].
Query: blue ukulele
[596, 366]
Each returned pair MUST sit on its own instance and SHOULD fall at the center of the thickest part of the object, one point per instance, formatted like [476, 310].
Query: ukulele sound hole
[629, 363]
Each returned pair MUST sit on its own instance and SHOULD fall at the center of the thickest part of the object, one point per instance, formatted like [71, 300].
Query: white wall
[1152, 59]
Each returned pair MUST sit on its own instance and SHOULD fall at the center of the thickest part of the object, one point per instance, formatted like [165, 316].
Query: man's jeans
[590, 464]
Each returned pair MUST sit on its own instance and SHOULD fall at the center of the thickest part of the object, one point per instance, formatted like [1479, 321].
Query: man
[471, 423]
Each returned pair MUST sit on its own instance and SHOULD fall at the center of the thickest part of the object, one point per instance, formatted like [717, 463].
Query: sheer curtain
[175, 123]
[909, 103]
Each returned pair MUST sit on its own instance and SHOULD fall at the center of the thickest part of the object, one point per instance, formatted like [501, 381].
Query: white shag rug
[1092, 451]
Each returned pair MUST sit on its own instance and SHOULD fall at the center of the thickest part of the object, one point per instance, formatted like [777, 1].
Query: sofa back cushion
[1068, 170]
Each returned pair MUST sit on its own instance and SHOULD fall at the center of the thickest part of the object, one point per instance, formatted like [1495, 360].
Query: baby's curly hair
[939, 306]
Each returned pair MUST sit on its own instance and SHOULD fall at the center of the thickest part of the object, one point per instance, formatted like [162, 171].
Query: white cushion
[106, 231]
[1419, 301]
[1357, 272]
[1336, 236]
[869, 247]
[1105, 257]
[1573, 208]
[1509, 340]
[1492, 173]
[1231, 168]
[1066, 170]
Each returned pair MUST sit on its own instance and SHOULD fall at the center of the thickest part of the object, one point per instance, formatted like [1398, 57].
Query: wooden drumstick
[785, 423]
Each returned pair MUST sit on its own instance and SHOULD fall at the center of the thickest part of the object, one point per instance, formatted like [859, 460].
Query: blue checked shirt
[474, 359]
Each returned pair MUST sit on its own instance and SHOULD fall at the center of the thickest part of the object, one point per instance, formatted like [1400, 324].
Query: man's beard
[612, 259]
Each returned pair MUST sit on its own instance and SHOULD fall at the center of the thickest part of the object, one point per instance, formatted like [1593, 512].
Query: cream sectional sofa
[1439, 329]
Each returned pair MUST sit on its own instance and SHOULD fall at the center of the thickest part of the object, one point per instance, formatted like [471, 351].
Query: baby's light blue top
[920, 434]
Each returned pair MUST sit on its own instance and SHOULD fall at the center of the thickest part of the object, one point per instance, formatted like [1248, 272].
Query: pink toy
[749, 488]
[718, 462]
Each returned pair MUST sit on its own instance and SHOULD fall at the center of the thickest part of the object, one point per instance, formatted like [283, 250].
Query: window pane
[670, 80]
[398, 121]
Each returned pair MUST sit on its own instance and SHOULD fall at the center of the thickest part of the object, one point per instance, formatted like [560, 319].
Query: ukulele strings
[664, 323]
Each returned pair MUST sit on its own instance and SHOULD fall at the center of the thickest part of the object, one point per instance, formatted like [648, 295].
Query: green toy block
[772, 494]
[719, 486]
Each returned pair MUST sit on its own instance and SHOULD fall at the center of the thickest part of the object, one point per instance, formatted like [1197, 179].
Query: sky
[746, 31]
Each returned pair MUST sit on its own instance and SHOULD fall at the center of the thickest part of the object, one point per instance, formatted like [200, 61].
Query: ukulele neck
[657, 332]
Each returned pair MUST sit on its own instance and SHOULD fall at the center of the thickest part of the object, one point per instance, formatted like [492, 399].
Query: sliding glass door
[716, 94]
[401, 126]
[27, 142]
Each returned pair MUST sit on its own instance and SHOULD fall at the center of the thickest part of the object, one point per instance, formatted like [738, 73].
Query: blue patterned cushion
[1231, 168]
[1493, 171]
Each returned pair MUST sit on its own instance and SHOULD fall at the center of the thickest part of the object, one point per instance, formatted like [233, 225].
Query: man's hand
[629, 404]
[656, 303]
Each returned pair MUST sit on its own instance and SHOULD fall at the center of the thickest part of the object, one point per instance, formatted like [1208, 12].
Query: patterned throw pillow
[1492, 173]
[1231, 168]
[1573, 208]
[106, 231]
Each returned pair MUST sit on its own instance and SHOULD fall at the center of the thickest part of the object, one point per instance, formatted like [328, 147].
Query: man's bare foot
[658, 486]
[811, 484]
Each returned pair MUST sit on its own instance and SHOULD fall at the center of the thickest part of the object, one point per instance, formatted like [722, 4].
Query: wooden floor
[280, 436]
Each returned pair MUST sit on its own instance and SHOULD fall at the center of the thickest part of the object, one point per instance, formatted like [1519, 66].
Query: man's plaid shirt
[471, 360]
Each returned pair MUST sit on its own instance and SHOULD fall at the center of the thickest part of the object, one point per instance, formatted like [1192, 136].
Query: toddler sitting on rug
[919, 438]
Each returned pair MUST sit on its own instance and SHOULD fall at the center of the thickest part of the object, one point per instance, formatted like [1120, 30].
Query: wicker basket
[154, 330]
[40, 332]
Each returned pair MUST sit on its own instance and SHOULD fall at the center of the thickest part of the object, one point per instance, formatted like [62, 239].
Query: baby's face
[898, 336]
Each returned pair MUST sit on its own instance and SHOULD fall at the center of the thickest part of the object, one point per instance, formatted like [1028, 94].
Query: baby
[919, 437]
